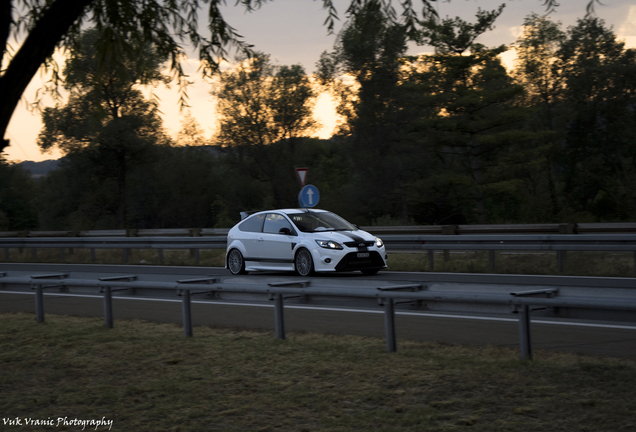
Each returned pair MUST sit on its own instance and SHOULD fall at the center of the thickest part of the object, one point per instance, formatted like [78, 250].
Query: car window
[253, 223]
[274, 222]
[323, 221]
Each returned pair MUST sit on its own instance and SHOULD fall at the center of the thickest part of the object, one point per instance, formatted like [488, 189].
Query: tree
[51, 24]
[369, 49]
[598, 93]
[17, 191]
[259, 105]
[191, 134]
[537, 70]
[122, 25]
[106, 123]
[177, 189]
[477, 126]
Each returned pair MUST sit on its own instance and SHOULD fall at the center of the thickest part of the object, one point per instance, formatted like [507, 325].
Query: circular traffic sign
[308, 196]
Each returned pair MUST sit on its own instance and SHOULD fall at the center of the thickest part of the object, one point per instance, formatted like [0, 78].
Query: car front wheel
[235, 262]
[304, 263]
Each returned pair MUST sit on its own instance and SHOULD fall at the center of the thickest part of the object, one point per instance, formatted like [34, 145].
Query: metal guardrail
[559, 243]
[553, 228]
[194, 244]
[388, 296]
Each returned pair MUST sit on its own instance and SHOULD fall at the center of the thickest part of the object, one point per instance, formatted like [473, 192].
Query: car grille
[351, 262]
[354, 244]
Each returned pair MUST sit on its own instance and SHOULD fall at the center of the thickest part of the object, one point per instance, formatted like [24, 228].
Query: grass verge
[148, 377]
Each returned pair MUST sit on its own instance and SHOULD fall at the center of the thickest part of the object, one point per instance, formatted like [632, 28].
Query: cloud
[628, 27]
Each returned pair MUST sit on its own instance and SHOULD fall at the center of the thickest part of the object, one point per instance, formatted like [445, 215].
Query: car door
[251, 234]
[274, 248]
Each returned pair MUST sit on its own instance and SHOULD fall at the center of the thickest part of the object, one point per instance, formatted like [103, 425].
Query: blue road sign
[308, 196]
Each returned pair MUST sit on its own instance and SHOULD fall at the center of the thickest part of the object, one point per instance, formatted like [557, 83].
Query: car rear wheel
[235, 262]
[304, 263]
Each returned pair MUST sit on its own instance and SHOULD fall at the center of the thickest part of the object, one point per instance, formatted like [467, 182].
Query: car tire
[303, 263]
[236, 262]
[369, 272]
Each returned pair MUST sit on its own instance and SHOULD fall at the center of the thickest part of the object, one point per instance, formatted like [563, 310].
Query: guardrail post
[389, 325]
[187, 303]
[39, 303]
[279, 312]
[125, 256]
[34, 253]
[448, 230]
[187, 313]
[160, 256]
[279, 308]
[491, 258]
[560, 260]
[525, 341]
[108, 307]
[7, 256]
[39, 295]
[93, 258]
[431, 258]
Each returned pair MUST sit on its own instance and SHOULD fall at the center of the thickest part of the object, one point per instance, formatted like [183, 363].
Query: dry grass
[607, 264]
[148, 377]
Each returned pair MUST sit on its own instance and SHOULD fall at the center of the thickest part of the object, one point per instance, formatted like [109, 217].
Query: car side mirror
[284, 230]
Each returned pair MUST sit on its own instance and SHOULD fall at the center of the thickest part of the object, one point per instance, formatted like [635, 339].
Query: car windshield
[320, 221]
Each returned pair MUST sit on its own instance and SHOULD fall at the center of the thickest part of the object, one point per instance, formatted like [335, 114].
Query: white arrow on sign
[310, 194]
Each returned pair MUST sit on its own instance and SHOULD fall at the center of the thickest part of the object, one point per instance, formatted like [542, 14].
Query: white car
[304, 241]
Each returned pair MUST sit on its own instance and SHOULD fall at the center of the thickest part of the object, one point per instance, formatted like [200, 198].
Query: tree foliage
[17, 191]
[260, 103]
[124, 26]
[369, 49]
[599, 87]
[451, 137]
[106, 124]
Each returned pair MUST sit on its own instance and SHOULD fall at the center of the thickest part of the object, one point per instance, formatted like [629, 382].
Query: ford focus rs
[303, 241]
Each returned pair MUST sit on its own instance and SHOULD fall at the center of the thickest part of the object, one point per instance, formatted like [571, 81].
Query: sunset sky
[292, 32]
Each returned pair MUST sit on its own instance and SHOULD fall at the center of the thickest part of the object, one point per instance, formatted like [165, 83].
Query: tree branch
[39, 45]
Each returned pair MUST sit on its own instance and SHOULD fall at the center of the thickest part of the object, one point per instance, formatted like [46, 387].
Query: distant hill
[39, 169]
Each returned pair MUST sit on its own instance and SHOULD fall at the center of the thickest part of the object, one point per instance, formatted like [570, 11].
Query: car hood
[343, 236]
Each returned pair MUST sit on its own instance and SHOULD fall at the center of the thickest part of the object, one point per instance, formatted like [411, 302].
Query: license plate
[363, 254]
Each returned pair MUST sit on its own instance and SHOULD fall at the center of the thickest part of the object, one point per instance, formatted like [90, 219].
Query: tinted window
[253, 223]
[274, 222]
[323, 221]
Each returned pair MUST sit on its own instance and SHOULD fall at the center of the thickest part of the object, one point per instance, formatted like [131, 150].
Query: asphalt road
[461, 326]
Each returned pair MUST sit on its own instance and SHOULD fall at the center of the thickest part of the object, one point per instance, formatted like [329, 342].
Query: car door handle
[261, 239]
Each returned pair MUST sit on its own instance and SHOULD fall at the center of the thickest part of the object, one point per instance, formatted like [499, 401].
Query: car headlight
[378, 242]
[329, 244]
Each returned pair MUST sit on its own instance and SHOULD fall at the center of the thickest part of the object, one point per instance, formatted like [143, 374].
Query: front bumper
[354, 261]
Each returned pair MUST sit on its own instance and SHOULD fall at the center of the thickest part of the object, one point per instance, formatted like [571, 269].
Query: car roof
[292, 211]
[296, 211]
[289, 211]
